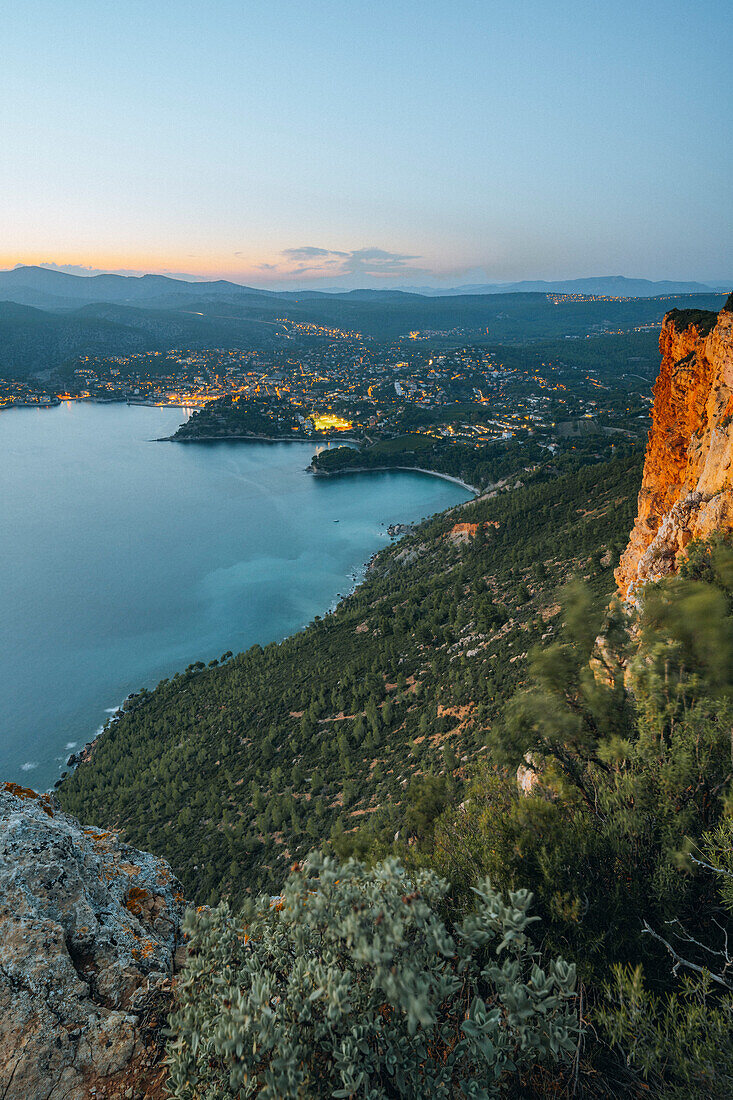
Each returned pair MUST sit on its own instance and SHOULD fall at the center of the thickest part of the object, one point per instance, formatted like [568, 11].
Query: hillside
[48, 289]
[230, 772]
[464, 729]
[36, 339]
[488, 317]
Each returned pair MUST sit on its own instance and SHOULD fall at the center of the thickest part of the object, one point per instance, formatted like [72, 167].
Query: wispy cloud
[331, 262]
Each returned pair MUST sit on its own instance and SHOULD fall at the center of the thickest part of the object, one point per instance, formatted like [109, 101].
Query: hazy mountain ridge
[42, 287]
[605, 285]
[33, 340]
[49, 318]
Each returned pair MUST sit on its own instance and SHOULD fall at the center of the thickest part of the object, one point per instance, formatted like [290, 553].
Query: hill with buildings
[51, 319]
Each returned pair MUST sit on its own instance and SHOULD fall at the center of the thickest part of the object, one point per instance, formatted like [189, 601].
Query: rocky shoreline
[396, 529]
[393, 530]
[84, 755]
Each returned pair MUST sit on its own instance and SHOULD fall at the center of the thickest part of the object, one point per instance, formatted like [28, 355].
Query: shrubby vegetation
[351, 984]
[394, 731]
[681, 1043]
[228, 416]
[625, 836]
[374, 713]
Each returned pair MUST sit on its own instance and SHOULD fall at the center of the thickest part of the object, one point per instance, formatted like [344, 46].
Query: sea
[123, 559]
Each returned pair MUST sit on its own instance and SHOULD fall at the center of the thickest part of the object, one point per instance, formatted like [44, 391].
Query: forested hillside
[375, 714]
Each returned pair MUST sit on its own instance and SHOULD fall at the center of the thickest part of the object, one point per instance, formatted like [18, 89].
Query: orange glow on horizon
[183, 266]
[262, 266]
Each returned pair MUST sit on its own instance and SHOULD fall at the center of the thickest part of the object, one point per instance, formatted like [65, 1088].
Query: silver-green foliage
[351, 985]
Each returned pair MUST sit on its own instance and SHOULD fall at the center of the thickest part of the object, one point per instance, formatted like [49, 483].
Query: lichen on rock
[89, 929]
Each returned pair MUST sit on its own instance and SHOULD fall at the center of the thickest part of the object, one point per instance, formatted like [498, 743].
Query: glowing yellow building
[324, 422]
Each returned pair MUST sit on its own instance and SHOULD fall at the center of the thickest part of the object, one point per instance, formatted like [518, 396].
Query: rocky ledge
[89, 941]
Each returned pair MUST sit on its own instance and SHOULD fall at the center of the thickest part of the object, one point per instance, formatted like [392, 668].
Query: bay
[123, 560]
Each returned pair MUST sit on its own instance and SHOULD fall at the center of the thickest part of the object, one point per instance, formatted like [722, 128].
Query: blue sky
[383, 143]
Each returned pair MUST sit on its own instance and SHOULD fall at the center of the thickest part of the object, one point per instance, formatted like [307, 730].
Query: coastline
[254, 439]
[408, 469]
[351, 583]
[83, 755]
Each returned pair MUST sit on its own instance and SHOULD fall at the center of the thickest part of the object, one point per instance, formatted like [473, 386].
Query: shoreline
[356, 579]
[30, 405]
[353, 581]
[408, 469]
[253, 439]
[82, 756]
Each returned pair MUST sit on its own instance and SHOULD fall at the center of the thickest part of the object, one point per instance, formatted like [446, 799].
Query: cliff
[687, 487]
[89, 930]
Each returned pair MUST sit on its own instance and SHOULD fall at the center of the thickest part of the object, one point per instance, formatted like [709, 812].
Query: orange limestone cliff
[464, 532]
[687, 488]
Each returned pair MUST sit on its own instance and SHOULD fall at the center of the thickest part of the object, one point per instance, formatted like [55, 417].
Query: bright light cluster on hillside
[328, 421]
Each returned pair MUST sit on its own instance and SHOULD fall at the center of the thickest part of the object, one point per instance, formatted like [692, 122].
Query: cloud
[311, 253]
[373, 262]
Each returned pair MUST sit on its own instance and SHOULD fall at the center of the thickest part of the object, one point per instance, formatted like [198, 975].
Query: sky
[288, 143]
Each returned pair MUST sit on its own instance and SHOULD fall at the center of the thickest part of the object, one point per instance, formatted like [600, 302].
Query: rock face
[88, 935]
[687, 488]
[465, 532]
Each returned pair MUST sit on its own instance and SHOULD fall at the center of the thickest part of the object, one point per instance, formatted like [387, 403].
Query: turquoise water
[123, 560]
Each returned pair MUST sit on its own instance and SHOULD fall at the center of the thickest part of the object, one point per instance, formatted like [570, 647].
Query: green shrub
[679, 1045]
[351, 984]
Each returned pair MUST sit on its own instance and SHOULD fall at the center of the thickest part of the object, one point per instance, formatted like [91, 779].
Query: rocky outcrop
[687, 487]
[465, 532]
[89, 930]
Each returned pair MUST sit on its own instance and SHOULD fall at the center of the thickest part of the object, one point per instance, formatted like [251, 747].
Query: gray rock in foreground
[89, 929]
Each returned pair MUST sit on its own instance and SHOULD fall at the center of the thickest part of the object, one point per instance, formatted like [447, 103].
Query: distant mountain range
[46, 289]
[607, 286]
[58, 290]
[48, 318]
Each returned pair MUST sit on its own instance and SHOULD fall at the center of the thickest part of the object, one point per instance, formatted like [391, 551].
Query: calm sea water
[123, 560]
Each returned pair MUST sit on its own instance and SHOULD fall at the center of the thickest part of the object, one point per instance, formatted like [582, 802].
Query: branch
[576, 1059]
[717, 870]
[687, 938]
[679, 961]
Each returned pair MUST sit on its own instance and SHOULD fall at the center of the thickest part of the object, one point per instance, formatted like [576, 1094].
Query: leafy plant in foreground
[351, 984]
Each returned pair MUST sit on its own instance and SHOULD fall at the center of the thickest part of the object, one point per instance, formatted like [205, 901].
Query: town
[329, 384]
